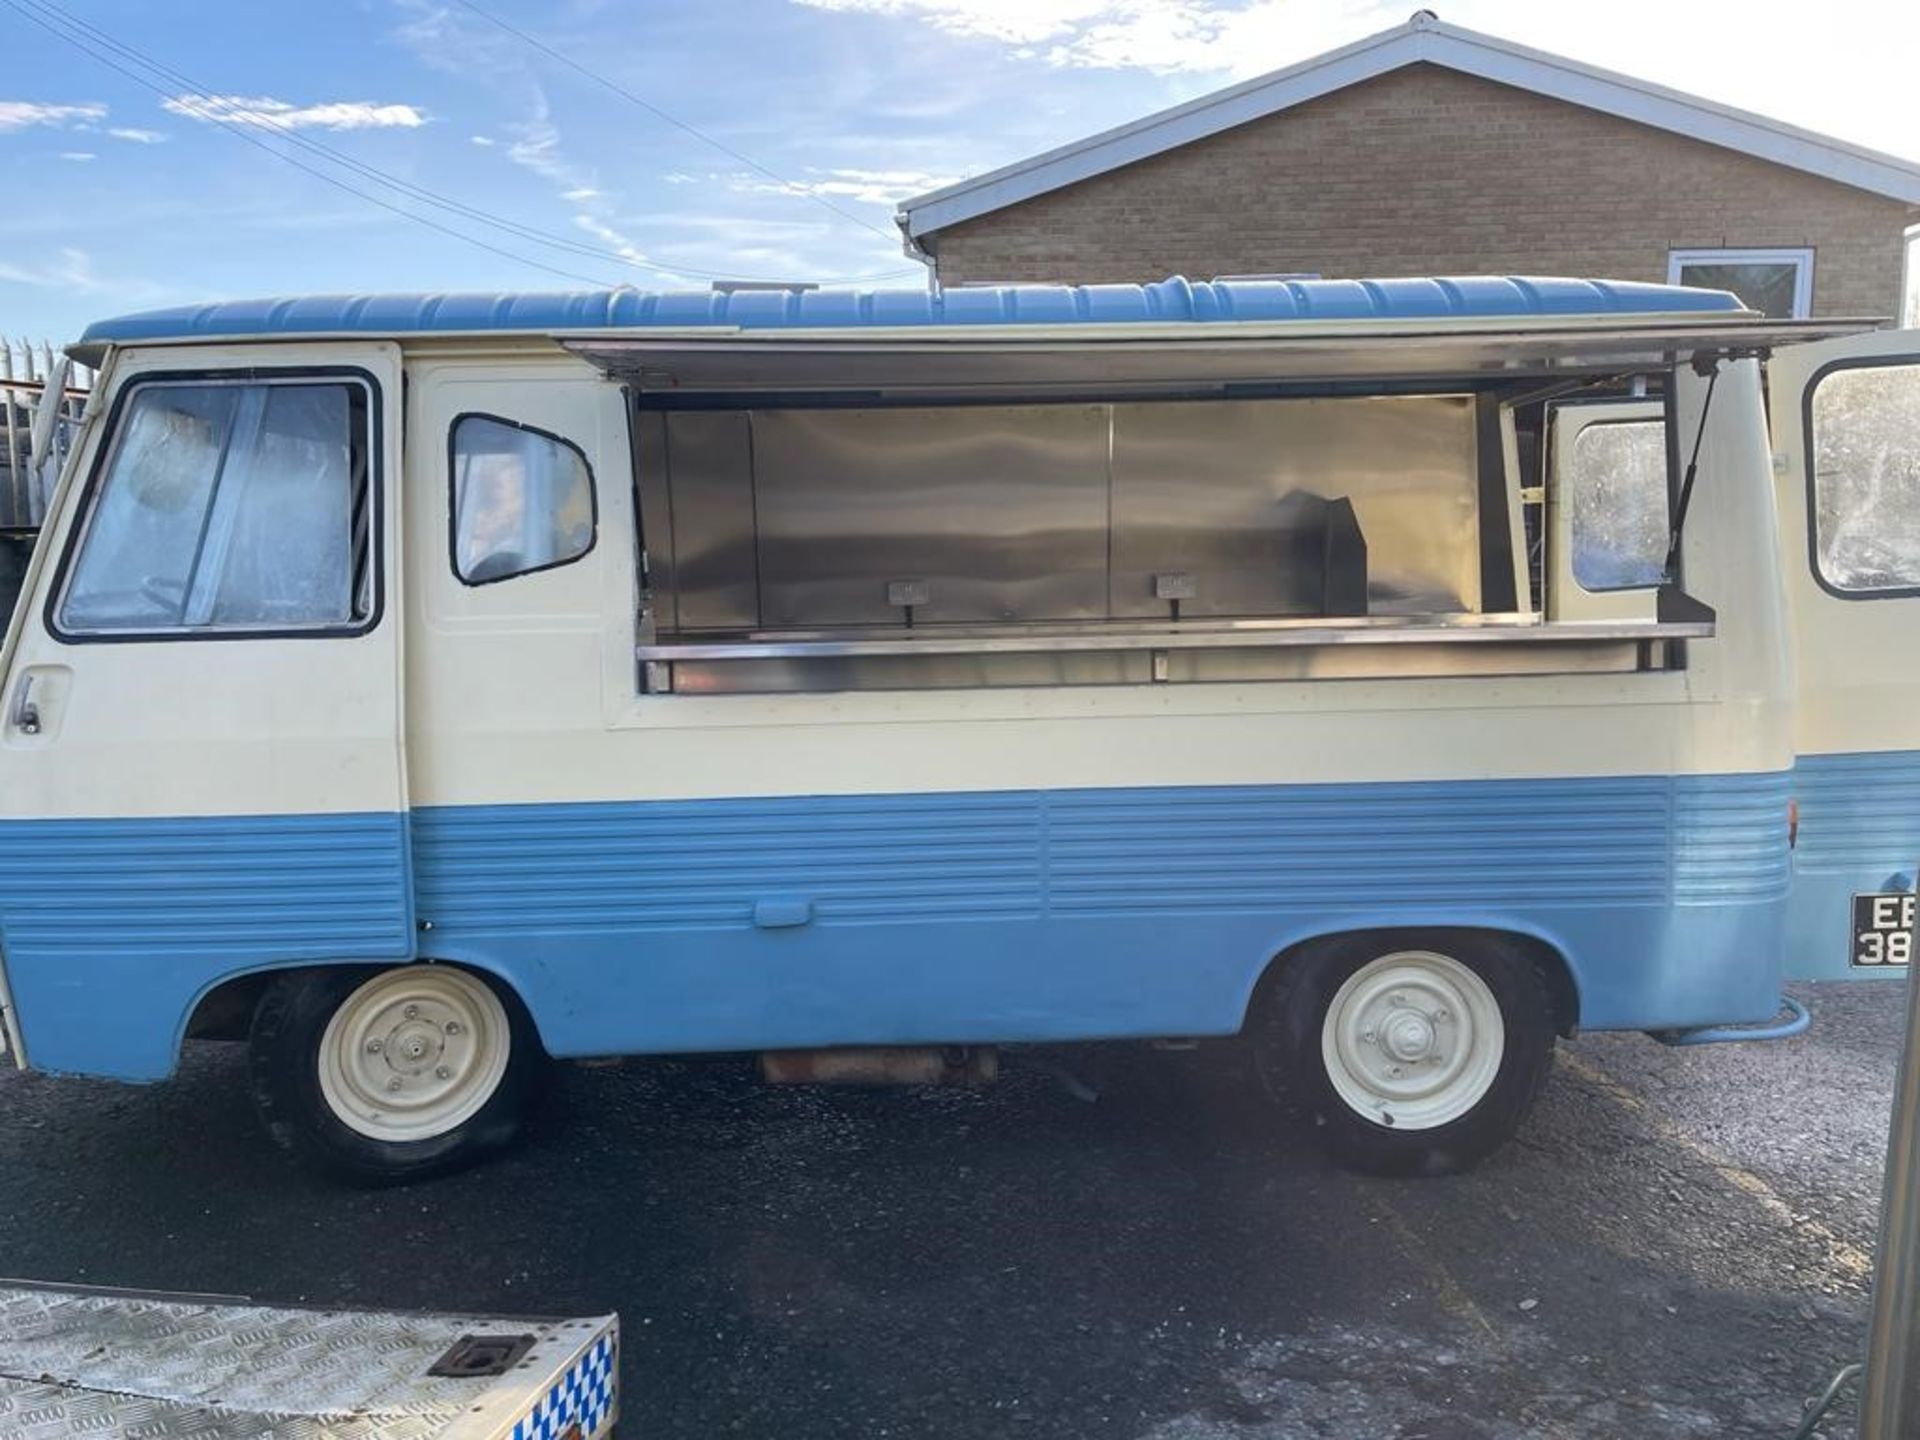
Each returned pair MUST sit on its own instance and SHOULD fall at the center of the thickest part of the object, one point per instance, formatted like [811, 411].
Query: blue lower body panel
[1859, 834]
[666, 926]
[1089, 914]
[111, 930]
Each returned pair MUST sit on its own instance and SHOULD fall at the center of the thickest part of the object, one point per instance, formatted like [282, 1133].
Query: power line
[90, 40]
[674, 120]
[259, 144]
[196, 92]
[193, 99]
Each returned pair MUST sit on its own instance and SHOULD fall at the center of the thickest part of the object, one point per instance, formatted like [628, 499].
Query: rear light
[1793, 823]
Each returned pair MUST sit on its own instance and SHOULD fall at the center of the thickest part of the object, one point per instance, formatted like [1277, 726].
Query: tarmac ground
[1678, 1244]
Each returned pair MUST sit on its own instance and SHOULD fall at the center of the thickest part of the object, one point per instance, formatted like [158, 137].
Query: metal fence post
[15, 493]
[43, 395]
[44, 441]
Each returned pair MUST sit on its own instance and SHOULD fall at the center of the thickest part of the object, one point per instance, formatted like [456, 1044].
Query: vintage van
[426, 686]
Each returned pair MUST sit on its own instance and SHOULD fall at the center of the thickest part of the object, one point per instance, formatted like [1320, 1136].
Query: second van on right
[1845, 418]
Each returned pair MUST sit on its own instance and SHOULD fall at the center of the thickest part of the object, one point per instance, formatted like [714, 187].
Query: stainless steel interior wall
[716, 567]
[1215, 491]
[982, 515]
[784, 519]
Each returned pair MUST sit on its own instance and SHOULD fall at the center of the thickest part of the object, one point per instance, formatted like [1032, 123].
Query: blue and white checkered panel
[580, 1400]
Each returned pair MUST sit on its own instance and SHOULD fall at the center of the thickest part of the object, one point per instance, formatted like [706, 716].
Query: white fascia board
[1463, 50]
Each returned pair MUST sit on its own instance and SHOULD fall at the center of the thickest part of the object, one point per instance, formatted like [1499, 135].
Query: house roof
[1422, 40]
[1169, 302]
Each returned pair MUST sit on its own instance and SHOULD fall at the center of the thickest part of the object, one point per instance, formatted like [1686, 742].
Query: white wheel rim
[1413, 1040]
[414, 1053]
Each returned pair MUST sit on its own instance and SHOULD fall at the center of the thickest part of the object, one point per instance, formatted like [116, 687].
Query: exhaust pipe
[969, 1065]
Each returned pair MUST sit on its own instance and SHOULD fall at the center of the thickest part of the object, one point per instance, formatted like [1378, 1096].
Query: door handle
[26, 714]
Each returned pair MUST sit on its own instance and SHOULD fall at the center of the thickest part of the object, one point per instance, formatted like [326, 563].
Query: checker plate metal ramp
[106, 1364]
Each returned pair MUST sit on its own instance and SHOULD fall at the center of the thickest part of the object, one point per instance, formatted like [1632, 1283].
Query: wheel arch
[224, 1009]
[1549, 958]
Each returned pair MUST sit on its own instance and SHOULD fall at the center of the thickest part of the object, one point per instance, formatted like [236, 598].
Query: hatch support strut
[1705, 363]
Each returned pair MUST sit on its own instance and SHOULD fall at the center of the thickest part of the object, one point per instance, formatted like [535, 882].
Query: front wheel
[392, 1075]
[1418, 1055]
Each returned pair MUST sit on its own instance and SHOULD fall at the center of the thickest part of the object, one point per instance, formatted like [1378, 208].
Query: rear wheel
[1417, 1054]
[392, 1075]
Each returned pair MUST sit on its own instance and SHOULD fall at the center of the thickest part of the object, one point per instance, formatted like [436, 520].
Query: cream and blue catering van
[1397, 675]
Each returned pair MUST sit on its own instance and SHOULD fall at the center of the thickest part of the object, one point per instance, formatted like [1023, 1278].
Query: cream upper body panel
[527, 691]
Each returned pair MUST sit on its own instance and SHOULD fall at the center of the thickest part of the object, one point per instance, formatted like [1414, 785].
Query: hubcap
[1413, 1040]
[414, 1053]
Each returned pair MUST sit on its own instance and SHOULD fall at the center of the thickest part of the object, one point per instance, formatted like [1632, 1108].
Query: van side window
[522, 500]
[1865, 433]
[1616, 485]
[228, 506]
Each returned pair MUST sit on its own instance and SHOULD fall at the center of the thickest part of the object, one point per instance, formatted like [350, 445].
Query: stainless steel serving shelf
[1239, 635]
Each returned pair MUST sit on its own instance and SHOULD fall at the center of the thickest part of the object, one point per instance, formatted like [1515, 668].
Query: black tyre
[1416, 1053]
[386, 1076]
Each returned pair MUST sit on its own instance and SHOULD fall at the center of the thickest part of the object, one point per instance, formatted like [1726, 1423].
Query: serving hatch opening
[1129, 504]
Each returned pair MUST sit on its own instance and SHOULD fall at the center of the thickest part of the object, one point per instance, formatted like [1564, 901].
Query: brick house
[1429, 149]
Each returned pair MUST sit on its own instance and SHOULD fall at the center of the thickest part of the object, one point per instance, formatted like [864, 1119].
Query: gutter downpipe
[911, 247]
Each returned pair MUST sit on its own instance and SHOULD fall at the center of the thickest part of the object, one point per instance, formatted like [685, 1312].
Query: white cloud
[536, 147]
[483, 141]
[1198, 36]
[458, 43]
[136, 137]
[1236, 37]
[71, 271]
[872, 187]
[706, 228]
[1849, 76]
[1240, 37]
[876, 187]
[19, 114]
[624, 247]
[1017, 22]
[80, 155]
[266, 113]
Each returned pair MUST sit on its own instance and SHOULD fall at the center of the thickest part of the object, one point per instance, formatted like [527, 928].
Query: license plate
[1882, 931]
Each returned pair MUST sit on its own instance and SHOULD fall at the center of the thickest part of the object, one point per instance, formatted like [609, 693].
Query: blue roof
[1176, 299]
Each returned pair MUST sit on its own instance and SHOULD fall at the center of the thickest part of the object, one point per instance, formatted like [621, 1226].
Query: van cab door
[1846, 457]
[200, 767]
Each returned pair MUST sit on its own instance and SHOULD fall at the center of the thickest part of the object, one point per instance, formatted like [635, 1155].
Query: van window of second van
[522, 500]
[1866, 478]
[227, 507]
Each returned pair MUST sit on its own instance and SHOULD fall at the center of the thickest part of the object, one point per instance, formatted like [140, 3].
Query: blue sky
[126, 194]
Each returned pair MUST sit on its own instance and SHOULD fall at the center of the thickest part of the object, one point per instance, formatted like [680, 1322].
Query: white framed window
[228, 506]
[1777, 283]
[522, 500]
[1615, 491]
[1863, 429]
